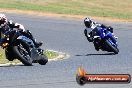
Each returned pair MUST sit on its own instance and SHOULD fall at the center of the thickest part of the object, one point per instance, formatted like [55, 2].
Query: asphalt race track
[66, 35]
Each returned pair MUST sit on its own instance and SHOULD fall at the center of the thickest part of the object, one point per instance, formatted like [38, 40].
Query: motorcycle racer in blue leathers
[92, 26]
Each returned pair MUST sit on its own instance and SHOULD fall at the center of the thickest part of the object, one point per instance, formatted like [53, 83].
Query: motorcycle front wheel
[23, 54]
[113, 48]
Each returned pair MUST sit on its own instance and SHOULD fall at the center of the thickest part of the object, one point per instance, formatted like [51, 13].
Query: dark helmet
[87, 22]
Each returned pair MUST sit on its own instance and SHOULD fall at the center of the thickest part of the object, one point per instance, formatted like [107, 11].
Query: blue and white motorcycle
[104, 40]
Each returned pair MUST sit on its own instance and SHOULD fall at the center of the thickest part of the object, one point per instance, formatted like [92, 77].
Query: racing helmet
[3, 18]
[87, 22]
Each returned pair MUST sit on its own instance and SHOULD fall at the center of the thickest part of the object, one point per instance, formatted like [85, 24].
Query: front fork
[112, 37]
[113, 40]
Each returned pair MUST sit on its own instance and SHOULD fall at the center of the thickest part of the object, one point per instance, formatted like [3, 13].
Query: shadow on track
[96, 54]
[11, 65]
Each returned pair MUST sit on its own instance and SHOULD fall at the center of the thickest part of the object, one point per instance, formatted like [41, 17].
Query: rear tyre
[96, 46]
[23, 54]
[113, 48]
[43, 60]
[9, 54]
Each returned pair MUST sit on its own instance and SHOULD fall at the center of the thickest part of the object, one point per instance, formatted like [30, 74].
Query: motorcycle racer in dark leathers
[6, 26]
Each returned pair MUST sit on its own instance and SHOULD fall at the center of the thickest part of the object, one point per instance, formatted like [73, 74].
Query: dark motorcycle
[18, 46]
[104, 40]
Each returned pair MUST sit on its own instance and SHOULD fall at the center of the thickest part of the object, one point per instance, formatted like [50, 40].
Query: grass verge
[48, 53]
[101, 8]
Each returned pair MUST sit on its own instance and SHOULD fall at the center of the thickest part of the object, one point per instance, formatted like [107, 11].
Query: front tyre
[43, 60]
[113, 48]
[22, 54]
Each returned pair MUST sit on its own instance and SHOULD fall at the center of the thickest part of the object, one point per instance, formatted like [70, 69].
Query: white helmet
[88, 22]
[3, 18]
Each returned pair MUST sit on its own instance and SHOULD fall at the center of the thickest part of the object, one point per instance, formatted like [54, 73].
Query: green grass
[101, 8]
[49, 54]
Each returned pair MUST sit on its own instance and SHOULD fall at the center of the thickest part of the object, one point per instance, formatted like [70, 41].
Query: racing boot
[38, 44]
